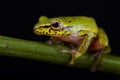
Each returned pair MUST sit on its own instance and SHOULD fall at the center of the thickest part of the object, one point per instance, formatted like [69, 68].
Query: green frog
[81, 32]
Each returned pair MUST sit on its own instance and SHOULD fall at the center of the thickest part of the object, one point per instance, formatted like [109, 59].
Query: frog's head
[64, 26]
[51, 27]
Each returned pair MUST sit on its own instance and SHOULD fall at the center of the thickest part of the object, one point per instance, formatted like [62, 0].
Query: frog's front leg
[82, 48]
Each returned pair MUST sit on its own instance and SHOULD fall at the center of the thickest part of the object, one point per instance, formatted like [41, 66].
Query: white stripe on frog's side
[68, 28]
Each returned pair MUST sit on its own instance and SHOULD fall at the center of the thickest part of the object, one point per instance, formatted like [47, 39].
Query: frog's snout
[35, 28]
[41, 30]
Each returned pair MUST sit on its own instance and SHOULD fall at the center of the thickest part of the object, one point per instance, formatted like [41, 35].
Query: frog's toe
[93, 56]
[69, 51]
[71, 63]
[49, 42]
[65, 51]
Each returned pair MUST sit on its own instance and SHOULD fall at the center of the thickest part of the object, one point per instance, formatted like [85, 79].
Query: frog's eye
[56, 25]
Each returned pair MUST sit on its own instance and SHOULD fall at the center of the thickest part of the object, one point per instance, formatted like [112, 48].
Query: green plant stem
[51, 53]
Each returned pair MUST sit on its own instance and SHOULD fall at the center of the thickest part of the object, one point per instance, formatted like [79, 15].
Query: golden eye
[56, 25]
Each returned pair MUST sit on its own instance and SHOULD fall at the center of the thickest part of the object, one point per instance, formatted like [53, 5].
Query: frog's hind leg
[99, 55]
[101, 46]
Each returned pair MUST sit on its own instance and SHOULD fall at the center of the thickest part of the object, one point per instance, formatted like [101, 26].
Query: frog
[80, 32]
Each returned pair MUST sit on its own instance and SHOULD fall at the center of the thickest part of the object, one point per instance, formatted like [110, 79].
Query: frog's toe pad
[71, 63]
[69, 51]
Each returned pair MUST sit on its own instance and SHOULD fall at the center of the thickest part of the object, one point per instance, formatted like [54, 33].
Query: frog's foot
[97, 63]
[72, 53]
[93, 56]
[49, 42]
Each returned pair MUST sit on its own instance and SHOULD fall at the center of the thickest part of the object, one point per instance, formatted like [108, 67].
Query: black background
[17, 19]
